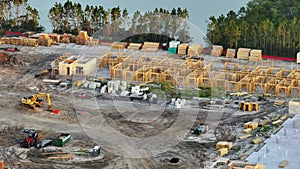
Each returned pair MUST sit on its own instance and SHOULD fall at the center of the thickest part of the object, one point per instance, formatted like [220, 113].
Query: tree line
[18, 15]
[115, 23]
[270, 25]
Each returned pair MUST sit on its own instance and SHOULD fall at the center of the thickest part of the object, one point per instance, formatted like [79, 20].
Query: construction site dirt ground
[18, 81]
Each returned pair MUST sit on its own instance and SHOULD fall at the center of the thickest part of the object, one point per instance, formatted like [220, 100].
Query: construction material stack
[150, 47]
[249, 127]
[223, 147]
[65, 38]
[55, 38]
[243, 53]
[92, 42]
[30, 42]
[82, 38]
[119, 45]
[230, 53]
[2, 41]
[182, 49]
[194, 50]
[173, 47]
[255, 55]
[217, 50]
[44, 40]
[134, 46]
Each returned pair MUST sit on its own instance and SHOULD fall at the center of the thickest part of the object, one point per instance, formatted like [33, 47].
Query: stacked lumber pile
[217, 50]
[44, 40]
[6, 40]
[195, 50]
[55, 38]
[134, 46]
[255, 55]
[119, 45]
[230, 53]
[65, 38]
[30, 42]
[243, 53]
[92, 42]
[82, 38]
[182, 49]
[16, 41]
[20, 41]
[150, 47]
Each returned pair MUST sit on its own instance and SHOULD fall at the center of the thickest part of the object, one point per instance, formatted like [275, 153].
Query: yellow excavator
[34, 101]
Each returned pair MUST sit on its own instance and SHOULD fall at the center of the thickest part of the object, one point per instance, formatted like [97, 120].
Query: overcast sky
[199, 10]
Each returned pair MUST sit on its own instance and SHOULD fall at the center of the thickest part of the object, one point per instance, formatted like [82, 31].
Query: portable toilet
[173, 47]
[298, 57]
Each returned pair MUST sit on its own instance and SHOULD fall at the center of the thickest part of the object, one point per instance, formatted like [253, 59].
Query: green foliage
[273, 26]
[114, 24]
[19, 16]
[265, 129]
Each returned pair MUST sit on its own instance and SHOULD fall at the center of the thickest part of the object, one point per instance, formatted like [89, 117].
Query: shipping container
[61, 140]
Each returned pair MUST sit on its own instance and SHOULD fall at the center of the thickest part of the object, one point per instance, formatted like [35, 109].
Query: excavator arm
[34, 100]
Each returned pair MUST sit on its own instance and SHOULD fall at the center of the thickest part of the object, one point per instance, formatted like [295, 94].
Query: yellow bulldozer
[35, 101]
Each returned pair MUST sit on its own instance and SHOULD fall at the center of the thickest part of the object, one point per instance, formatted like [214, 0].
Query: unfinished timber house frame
[189, 73]
[69, 65]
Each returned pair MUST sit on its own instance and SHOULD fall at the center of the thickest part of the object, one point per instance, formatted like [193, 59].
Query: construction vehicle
[32, 139]
[35, 101]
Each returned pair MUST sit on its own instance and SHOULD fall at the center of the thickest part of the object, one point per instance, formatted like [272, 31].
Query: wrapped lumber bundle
[30, 42]
[182, 49]
[93, 42]
[230, 53]
[217, 50]
[13, 41]
[44, 40]
[5, 40]
[19, 41]
[65, 38]
[255, 55]
[82, 38]
[243, 53]
[119, 45]
[194, 50]
[55, 38]
[150, 47]
[134, 46]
